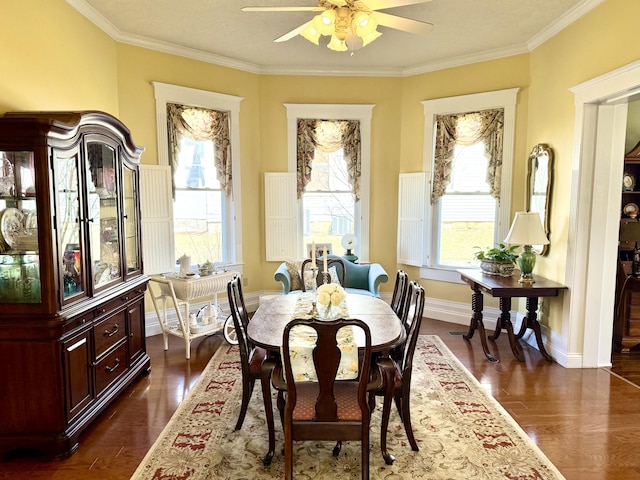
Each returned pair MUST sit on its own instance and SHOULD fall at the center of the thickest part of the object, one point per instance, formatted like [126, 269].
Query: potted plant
[498, 260]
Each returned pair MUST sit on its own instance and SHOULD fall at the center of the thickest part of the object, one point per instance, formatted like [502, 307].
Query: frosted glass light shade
[367, 39]
[325, 22]
[311, 34]
[336, 44]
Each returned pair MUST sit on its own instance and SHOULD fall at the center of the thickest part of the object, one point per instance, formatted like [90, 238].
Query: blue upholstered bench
[360, 279]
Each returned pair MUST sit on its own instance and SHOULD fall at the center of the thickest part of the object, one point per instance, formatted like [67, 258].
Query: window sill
[449, 275]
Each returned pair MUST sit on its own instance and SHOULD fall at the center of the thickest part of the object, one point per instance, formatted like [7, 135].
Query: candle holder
[314, 286]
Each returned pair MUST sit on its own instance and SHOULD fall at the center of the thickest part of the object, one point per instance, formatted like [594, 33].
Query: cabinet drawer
[109, 331]
[111, 367]
[79, 320]
[109, 306]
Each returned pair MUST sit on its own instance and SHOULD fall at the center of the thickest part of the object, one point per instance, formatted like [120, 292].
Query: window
[192, 198]
[328, 201]
[465, 209]
[469, 197]
[198, 206]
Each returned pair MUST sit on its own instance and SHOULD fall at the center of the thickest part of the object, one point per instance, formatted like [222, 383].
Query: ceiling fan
[352, 24]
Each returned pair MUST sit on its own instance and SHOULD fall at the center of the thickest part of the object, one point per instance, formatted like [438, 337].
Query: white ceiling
[217, 31]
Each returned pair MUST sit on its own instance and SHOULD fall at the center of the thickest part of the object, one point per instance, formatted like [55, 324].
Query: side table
[181, 292]
[506, 288]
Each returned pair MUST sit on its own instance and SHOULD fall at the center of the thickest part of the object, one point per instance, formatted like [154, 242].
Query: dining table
[267, 325]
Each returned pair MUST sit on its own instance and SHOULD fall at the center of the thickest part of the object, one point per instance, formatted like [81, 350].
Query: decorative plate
[31, 221]
[628, 182]
[630, 210]
[11, 225]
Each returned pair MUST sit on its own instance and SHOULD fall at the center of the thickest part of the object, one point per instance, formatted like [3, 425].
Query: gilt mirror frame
[539, 182]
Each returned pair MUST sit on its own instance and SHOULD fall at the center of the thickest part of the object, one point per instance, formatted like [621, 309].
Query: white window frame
[166, 93]
[505, 99]
[362, 113]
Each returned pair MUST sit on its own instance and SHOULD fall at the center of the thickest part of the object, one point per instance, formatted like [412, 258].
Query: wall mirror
[539, 179]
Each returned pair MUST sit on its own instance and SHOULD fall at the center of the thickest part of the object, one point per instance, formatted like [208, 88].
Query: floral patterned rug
[462, 431]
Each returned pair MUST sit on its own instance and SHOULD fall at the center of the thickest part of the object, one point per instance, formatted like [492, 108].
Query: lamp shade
[526, 229]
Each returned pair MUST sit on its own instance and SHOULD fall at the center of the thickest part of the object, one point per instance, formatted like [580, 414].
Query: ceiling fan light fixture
[367, 39]
[325, 22]
[337, 45]
[311, 34]
[364, 24]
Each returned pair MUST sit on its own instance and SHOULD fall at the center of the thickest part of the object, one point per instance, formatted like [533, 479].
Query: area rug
[462, 432]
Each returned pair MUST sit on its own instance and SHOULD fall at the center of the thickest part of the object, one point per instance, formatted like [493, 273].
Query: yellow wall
[603, 40]
[633, 125]
[52, 58]
[58, 60]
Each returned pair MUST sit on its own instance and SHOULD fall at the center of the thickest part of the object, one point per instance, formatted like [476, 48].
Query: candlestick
[313, 255]
[324, 259]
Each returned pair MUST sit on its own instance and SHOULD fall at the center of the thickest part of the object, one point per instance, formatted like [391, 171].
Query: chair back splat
[399, 292]
[320, 280]
[327, 408]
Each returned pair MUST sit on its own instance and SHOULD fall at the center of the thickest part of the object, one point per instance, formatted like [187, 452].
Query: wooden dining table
[267, 327]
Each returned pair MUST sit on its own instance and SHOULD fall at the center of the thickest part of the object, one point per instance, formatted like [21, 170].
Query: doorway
[601, 118]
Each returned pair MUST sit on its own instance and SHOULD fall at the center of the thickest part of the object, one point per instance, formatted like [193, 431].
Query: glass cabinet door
[102, 213]
[68, 221]
[19, 259]
[129, 181]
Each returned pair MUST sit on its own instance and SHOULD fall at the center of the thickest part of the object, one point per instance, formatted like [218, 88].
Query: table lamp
[526, 230]
[631, 233]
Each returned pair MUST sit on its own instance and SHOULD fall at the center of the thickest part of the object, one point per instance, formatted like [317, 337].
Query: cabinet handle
[111, 333]
[90, 220]
[111, 369]
[125, 298]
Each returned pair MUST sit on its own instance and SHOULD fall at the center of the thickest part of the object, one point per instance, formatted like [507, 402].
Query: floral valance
[468, 129]
[328, 136]
[201, 124]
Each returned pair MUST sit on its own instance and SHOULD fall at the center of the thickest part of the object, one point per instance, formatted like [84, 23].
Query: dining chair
[331, 262]
[397, 385]
[255, 363]
[399, 292]
[325, 409]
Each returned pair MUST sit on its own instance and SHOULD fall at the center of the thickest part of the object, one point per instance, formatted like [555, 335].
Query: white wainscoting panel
[157, 219]
[280, 211]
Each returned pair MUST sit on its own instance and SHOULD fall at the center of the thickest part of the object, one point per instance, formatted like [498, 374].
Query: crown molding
[563, 22]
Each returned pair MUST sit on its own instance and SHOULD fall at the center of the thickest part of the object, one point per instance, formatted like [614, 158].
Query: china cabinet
[72, 287]
[629, 208]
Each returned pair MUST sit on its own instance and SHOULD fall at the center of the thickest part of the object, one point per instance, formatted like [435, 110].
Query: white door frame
[600, 126]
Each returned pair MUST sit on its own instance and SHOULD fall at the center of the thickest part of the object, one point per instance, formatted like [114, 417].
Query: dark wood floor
[585, 421]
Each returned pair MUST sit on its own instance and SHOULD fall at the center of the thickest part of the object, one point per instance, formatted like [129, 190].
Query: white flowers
[331, 294]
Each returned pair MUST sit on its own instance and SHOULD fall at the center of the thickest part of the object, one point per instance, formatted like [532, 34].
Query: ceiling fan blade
[282, 9]
[400, 23]
[292, 33]
[384, 4]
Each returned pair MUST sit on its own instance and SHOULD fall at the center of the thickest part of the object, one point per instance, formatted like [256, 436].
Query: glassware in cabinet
[19, 261]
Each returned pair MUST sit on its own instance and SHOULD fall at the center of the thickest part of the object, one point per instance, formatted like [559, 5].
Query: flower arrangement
[331, 294]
